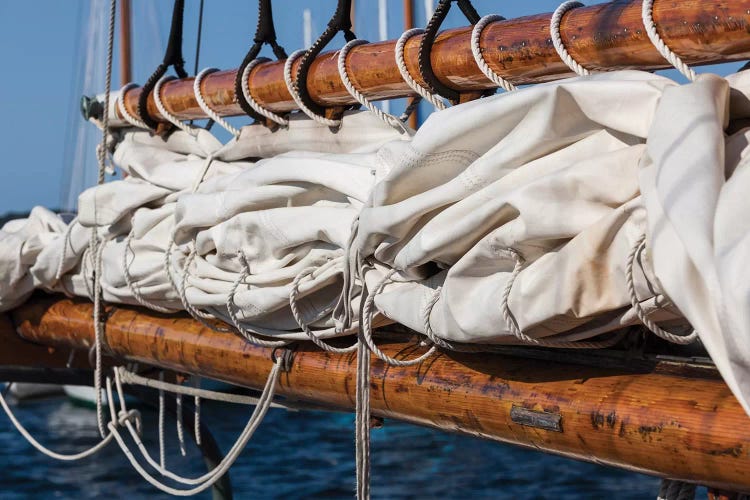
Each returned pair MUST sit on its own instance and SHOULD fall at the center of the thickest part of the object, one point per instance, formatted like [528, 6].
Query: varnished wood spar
[658, 423]
[606, 36]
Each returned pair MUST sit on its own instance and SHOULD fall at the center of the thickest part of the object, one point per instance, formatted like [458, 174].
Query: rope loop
[647, 15]
[265, 34]
[292, 86]
[165, 113]
[127, 115]
[366, 329]
[422, 91]
[340, 21]
[635, 252]
[250, 100]
[425, 46]
[293, 304]
[554, 29]
[232, 310]
[172, 57]
[204, 105]
[512, 325]
[388, 118]
[476, 50]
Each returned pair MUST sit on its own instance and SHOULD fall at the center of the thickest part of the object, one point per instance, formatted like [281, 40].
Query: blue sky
[43, 44]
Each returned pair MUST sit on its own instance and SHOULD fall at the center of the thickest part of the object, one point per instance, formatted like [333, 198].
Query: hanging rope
[635, 252]
[293, 90]
[647, 14]
[172, 57]
[476, 50]
[208, 479]
[265, 34]
[554, 29]
[425, 47]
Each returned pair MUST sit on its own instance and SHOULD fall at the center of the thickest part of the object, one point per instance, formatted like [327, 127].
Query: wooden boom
[653, 419]
[601, 37]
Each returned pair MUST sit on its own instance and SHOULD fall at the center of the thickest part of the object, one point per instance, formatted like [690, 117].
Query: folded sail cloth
[515, 212]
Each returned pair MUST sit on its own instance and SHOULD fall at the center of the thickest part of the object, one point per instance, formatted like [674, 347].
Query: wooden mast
[601, 37]
[126, 61]
[409, 24]
[659, 418]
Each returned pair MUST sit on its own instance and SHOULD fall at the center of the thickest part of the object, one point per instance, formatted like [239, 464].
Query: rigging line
[198, 38]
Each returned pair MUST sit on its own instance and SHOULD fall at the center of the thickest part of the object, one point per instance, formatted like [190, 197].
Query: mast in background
[126, 63]
[409, 24]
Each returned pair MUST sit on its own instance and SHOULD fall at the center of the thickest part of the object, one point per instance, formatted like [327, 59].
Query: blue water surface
[302, 454]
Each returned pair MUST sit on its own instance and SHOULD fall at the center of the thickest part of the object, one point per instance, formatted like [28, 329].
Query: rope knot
[132, 416]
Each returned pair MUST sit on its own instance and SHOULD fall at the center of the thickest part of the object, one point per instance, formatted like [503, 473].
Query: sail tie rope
[293, 304]
[554, 29]
[366, 322]
[204, 105]
[423, 92]
[635, 253]
[250, 335]
[647, 14]
[265, 34]
[476, 50]
[135, 290]
[387, 118]
[512, 325]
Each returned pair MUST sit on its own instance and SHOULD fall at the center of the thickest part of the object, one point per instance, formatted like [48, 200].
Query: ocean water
[299, 454]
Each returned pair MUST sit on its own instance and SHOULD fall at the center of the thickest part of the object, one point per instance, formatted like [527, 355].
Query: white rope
[163, 110]
[252, 102]
[162, 411]
[293, 298]
[180, 431]
[196, 313]
[647, 15]
[554, 29]
[362, 421]
[231, 308]
[476, 49]
[388, 118]
[424, 92]
[204, 105]
[208, 479]
[291, 86]
[136, 122]
[655, 329]
[366, 329]
[197, 411]
[129, 279]
[43, 449]
[130, 378]
[513, 328]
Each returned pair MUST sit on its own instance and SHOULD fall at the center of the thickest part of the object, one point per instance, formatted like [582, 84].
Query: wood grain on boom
[607, 36]
[649, 420]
